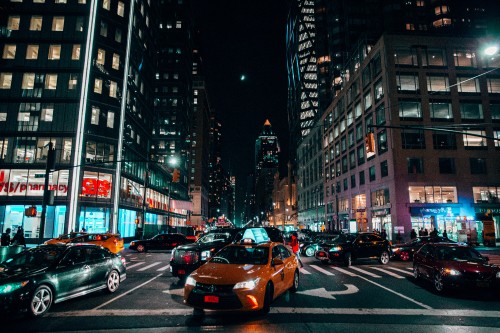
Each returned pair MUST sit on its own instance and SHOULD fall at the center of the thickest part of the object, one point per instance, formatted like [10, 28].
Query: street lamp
[172, 161]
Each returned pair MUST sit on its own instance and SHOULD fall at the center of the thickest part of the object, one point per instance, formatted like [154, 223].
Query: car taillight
[124, 262]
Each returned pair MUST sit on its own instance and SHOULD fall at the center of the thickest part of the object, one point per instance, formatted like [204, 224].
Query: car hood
[211, 273]
[8, 274]
[201, 246]
[470, 265]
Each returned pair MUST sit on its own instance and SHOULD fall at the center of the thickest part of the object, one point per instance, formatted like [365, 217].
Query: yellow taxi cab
[245, 276]
[113, 242]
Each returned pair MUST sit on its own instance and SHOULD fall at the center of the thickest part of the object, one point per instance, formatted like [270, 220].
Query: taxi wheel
[41, 301]
[141, 248]
[268, 298]
[295, 284]
[113, 281]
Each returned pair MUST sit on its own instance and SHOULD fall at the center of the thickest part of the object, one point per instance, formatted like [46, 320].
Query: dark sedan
[36, 278]
[159, 242]
[309, 247]
[406, 250]
[186, 258]
[454, 265]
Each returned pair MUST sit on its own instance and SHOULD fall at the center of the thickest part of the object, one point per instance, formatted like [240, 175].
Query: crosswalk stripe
[163, 268]
[149, 266]
[345, 271]
[324, 271]
[365, 272]
[304, 271]
[388, 273]
[400, 270]
[136, 264]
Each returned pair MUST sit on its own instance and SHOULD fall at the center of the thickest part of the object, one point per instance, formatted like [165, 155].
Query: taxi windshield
[209, 238]
[241, 255]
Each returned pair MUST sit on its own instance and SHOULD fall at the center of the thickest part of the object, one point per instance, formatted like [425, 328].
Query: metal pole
[168, 203]
[51, 159]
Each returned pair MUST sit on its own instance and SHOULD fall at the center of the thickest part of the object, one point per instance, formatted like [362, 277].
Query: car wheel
[295, 284]
[347, 259]
[438, 282]
[405, 256]
[416, 274]
[141, 248]
[309, 252]
[268, 298]
[113, 281]
[384, 258]
[41, 301]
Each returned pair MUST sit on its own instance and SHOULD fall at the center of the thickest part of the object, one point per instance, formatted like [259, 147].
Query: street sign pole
[51, 160]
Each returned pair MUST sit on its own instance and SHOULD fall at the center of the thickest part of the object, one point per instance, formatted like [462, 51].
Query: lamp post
[173, 163]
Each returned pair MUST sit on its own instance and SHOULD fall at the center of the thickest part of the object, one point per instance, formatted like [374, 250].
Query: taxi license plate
[211, 299]
[181, 271]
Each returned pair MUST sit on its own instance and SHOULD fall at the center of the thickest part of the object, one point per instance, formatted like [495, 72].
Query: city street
[365, 297]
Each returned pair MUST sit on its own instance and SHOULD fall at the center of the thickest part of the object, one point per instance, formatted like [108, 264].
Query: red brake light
[124, 262]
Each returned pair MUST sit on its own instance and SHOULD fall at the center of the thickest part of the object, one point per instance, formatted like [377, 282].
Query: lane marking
[345, 271]
[136, 264]
[324, 271]
[401, 271]
[365, 272]
[149, 266]
[397, 276]
[163, 268]
[126, 293]
[304, 271]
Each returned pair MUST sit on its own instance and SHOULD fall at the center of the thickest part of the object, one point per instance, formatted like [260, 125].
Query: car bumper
[181, 270]
[15, 301]
[460, 283]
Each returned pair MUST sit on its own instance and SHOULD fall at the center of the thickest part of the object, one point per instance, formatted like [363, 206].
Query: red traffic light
[176, 175]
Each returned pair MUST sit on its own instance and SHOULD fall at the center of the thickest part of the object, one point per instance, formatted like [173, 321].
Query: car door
[99, 264]
[277, 271]
[360, 246]
[72, 273]
[426, 260]
[290, 266]
[157, 242]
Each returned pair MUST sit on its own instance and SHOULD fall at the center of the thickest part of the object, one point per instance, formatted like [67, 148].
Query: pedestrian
[413, 234]
[5, 241]
[421, 232]
[18, 238]
[434, 233]
[445, 234]
[426, 232]
[383, 234]
[296, 247]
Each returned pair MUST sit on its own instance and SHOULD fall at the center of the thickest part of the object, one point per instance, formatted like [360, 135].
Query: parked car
[309, 247]
[243, 276]
[188, 257]
[36, 278]
[454, 265]
[112, 242]
[159, 242]
[406, 250]
[349, 247]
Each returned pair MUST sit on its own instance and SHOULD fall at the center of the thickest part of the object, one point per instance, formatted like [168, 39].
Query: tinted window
[285, 253]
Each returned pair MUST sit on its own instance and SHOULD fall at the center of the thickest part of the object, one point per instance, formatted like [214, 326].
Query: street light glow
[172, 161]
[491, 50]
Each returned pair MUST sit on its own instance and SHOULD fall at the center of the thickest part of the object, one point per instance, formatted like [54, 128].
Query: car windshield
[458, 253]
[241, 255]
[34, 258]
[209, 238]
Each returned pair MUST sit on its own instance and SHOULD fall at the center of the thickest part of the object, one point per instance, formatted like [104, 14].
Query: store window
[380, 197]
[433, 194]
[486, 194]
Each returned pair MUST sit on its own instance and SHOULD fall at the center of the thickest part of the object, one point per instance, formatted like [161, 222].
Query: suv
[349, 247]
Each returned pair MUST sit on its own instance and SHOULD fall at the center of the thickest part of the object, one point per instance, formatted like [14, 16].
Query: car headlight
[206, 254]
[132, 243]
[247, 284]
[336, 248]
[498, 275]
[396, 249]
[10, 287]
[450, 271]
[190, 281]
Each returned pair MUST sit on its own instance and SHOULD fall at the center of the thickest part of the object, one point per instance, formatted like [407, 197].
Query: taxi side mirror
[277, 261]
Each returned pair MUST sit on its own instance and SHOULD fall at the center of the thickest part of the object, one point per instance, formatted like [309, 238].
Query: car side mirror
[277, 261]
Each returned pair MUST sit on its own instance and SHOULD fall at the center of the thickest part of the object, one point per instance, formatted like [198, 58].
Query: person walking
[296, 247]
[5, 241]
[413, 234]
[18, 238]
[445, 234]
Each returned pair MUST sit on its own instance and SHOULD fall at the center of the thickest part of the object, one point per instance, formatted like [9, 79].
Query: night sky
[245, 37]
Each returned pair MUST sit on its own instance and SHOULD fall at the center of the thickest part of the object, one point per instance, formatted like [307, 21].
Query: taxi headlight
[450, 271]
[336, 248]
[10, 287]
[190, 281]
[247, 284]
[206, 254]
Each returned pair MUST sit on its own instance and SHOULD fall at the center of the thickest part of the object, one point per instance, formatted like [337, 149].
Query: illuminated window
[106, 4]
[54, 52]
[28, 81]
[471, 111]
[73, 81]
[118, 35]
[101, 54]
[410, 109]
[410, 26]
[493, 85]
[75, 54]
[13, 22]
[60, 1]
[407, 82]
[51, 81]
[468, 85]
[32, 52]
[433, 57]
[23, 116]
[438, 83]
[36, 23]
[178, 24]
[9, 51]
[5, 80]
[47, 114]
[471, 138]
[465, 58]
[121, 9]
[116, 61]
[441, 10]
[94, 119]
[110, 123]
[98, 86]
[58, 23]
[104, 29]
[441, 110]
[80, 23]
[442, 22]
[112, 89]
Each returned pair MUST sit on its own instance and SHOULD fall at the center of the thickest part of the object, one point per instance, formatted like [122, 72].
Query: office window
[121, 9]
[415, 165]
[23, 116]
[9, 51]
[447, 166]
[54, 52]
[371, 172]
[51, 81]
[3, 117]
[118, 35]
[379, 90]
[101, 55]
[465, 58]
[384, 169]
[110, 122]
[361, 154]
[28, 81]
[441, 110]
[382, 142]
[98, 86]
[58, 23]
[32, 52]
[407, 82]
[471, 138]
[75, 54]
[495, 111]
[353, 181]
[380, 114]
[116, 61]
[346, 185]
[36, 23]
[471, 111]
[361, 178]
[477, 166]
[405, 56]
[493, 85]
[412, 139]
[13, 22]
[438, 84]
[106, 4]
[496, 136]
[94, 119]
[38, 1]
[344, 164]
[410, 109]
[80, 23]
[112, 89]
[433, 57]
[443, 140]
[60, 1]
[352, 159]
[468, 85]
[104, 29]
[178, 24]
[368, 100]
[5, 80]
[47, 113]
[73, 81]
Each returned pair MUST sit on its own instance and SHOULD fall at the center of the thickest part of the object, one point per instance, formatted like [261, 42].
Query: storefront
[449, 218]
[381, 219]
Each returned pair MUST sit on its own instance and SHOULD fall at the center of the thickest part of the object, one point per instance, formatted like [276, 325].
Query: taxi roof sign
[255, 235]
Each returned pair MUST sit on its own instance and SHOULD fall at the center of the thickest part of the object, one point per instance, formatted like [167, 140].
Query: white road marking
[322, 292]
[324, 271]
[149, 266]
[136, 264]
[400, 270]
[345, 271]
[163, 268]
[397, 276]
[365, 272]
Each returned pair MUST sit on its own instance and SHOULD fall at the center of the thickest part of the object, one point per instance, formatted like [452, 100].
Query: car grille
[186, 257]
[227, 298]
[474, 276]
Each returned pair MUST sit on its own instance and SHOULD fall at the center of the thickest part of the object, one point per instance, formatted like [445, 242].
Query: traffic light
[137, 220]
[30, 211]
[176, 175]
[370, 143]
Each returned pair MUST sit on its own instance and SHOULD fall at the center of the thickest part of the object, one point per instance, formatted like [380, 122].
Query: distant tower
[266, 165]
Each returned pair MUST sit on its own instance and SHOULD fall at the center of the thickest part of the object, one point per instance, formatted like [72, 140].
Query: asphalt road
[366, 297]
